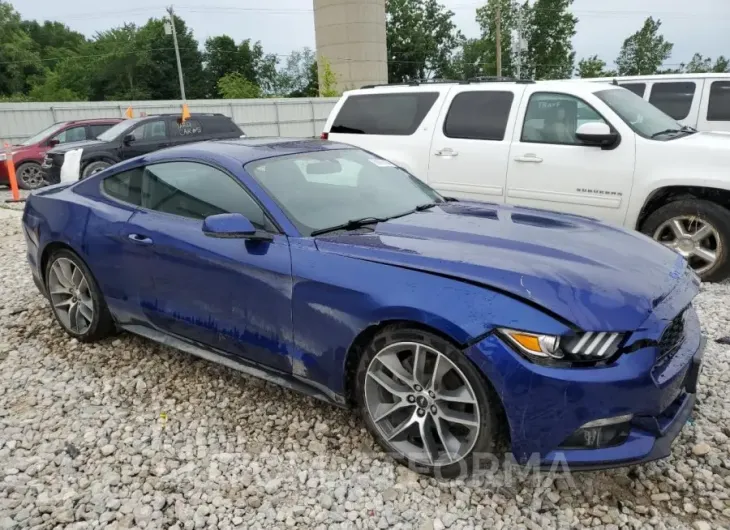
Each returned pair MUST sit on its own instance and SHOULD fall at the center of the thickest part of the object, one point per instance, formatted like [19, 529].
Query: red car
[29, 155]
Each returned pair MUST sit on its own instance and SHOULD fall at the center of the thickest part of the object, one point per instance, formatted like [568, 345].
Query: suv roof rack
[417, 82]
[178, 113]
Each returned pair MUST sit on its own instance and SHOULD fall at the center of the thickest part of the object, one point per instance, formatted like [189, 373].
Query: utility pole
[518, 55]
[498, 37]
[177, 52]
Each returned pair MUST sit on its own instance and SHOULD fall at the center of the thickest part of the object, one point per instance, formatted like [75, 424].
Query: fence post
[53, 114]
[121, 112]
[230, 105]
[276, 114]
[314, 119]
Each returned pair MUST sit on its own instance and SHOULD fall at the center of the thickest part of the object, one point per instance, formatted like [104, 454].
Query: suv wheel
[697, 229]
[94, 167]
[30, 176]
[425, 403]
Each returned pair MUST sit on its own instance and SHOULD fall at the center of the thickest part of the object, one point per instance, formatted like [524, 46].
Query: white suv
[586, 148]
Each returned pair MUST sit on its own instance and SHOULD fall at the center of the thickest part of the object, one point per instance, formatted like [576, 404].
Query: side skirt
[289, 381]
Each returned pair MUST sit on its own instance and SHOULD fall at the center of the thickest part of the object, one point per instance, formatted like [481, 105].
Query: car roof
[92, 120]
[245, 150]
[661, 77]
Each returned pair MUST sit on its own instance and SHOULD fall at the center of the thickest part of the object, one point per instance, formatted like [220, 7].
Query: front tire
[76, 299]
[30, 176]
[425, 403]
[697, 229]
[94, 167]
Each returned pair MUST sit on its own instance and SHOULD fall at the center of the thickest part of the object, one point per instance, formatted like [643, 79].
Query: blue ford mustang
[451, 326]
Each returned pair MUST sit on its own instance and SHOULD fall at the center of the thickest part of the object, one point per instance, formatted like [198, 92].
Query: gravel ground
[126, 433]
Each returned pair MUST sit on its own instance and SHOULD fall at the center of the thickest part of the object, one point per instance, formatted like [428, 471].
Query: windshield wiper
[426, 206]
[683, 129]
[352, 224]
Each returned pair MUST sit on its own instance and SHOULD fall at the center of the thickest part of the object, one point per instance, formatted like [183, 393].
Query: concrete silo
[350, 34]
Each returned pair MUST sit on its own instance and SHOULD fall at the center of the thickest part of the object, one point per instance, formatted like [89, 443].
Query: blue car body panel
[294, 306]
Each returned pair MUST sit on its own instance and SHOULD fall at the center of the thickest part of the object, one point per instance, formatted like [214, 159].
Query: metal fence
[294, 117]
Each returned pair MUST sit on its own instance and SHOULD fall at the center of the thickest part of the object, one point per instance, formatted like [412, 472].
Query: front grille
[671, 339]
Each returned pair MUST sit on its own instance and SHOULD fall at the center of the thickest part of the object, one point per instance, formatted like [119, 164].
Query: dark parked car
[29, 155]
[140, 136]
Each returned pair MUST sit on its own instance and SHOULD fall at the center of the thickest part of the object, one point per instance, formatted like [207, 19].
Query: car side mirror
[128, 139]
[53, 142]
[233, 226]
[596, 133]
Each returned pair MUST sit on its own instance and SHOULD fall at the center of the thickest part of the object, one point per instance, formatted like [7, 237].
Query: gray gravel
[125, 433]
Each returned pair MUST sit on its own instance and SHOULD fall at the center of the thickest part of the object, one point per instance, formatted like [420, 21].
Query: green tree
[645, 51]
[550, 49]
[53, 41]
[328, 84]
[592, 67]
[421, 39]
[722, 65]
[298, 78]
[235, 86]
[19, 57]
[221, 57]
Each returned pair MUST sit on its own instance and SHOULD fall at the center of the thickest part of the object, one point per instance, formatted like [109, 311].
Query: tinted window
[96, 130]
[150, 131]
[72, 134]
[478, 115]
[554, 119]
[322, 189]
[126, 186]
[387, 114]
[636, 88]
[675, 99]
[719, 105]
[194, 190]
[189, 129]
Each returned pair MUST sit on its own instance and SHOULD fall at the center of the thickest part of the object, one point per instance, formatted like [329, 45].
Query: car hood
[595, 276]
[704, 139]
[85, 144]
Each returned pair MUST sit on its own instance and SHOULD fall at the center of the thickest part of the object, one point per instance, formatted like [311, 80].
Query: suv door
[148, 136]
[550, 168]
[470, 146]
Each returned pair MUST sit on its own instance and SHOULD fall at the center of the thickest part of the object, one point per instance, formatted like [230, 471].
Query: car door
[470, 146]
[550, 168]
[230, 294]
[147, 137]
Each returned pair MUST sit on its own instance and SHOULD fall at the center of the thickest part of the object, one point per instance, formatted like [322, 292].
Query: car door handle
[447, 151]
[142, 240]
[529, 158]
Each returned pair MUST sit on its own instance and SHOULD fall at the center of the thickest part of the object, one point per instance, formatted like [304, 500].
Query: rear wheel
[94, 167]
[76, 300]
[30, 176]
[699, 231]
[425, 403]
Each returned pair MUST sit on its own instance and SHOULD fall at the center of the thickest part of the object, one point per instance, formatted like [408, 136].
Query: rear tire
[94, 167]
[75, 297]
[30, 176]
[440, 418]
[680, 223]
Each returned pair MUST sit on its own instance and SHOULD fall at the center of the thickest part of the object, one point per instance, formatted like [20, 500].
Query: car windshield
[643, 117]
[326, 189]
[116, 131]
[45, 133]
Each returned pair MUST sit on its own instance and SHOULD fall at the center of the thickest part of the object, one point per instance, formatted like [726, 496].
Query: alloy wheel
[422, 404]
[31, 176]
[694, 238]
[70, 296]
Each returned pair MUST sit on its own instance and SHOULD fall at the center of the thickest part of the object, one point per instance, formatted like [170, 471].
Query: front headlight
[580, 347]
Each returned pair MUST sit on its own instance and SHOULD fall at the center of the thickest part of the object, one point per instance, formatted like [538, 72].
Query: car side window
[72, 134]
[196, 190]
[125, 186]
[718, 108]
[479, 115]
[673, 98]
[636, 88]
[96, 130]
[188, 130]
[150, 131]
[555, 118]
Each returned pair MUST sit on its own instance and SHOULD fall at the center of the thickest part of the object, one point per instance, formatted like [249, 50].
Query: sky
[701, 26]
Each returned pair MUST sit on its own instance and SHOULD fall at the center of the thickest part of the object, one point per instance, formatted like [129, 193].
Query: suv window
[554, 118]
[195, 190]
[637, 88]
[125, 186]
[150, 131]
[673, 98]
[386, 114]
[718, 108]
[97, 129]
[189, 129]
[72, 134]
[479, 115]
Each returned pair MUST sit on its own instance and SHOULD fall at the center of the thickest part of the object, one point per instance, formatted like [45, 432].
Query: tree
[299, 77]
[19, 57]
[53, 41]
[221, 57]
[236, 86]
[591, 67]
[328, 86]
[421, 39]
[700, 65]
[480, 56]
[550, 49]
[645, 51]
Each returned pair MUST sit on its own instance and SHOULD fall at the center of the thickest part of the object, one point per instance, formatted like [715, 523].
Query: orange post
[11, 173]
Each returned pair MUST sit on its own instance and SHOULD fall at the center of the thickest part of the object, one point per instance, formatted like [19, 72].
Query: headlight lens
[581, 347]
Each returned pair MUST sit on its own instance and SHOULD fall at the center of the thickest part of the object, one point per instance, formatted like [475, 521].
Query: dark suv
[139, 136]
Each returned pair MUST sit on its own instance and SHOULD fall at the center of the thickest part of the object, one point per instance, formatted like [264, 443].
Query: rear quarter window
[189, 129]
[673, 98]
[718, 108]
[398, 114]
